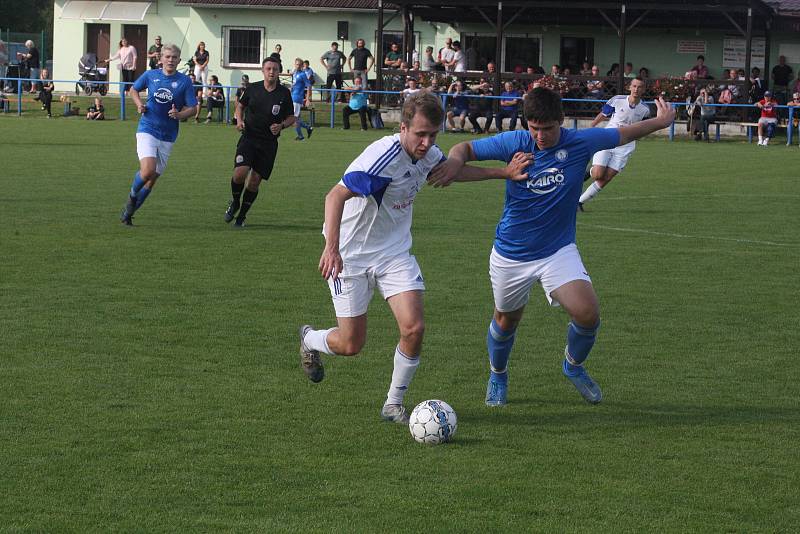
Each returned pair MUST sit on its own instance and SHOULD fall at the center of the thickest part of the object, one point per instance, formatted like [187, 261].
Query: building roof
[289, 4]
[785, 7]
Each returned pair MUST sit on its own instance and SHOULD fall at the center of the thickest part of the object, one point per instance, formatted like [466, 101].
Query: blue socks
[499, 343]
[580, 340]
[141, 196]
[137, 184]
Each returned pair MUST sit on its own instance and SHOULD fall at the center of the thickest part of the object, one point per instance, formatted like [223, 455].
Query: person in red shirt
[769, 118]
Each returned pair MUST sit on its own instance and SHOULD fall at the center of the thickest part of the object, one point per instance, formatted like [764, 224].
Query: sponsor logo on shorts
[276, 109]
[239, 158]
[163, 95]
[546, 181]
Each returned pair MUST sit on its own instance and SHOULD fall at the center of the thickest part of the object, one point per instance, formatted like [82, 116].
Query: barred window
[243, 46]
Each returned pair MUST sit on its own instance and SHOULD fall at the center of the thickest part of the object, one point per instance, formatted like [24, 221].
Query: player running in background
[367, 242]
[301, 94]
[535, 239]
[262, 111]
[621, 110]
[170, 98]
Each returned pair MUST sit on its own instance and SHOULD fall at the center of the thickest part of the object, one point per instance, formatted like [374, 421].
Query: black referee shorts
[258, 155]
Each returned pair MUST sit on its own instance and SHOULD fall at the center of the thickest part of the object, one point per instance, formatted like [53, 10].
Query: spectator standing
[333, 60]
[756, 85]
[30, 60]
[795, 103]
[459, 59]
[473, 56]
[586, 69]
[154, 53]
[216, 97]
[700, 68]
[393, 58]
[768, 120]
[707, 112]
[628, 71]
[427, 62]
[358, 104]
[509, 107]
[555, 70]
[96, 111]
[312, 76]
[3, 63]
[201, 58]
[127, 57]
[360, 62]
[446, 55]
[46, 92]
[781, 75]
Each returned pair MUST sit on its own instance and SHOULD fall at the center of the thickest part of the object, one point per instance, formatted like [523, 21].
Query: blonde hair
[171, 46]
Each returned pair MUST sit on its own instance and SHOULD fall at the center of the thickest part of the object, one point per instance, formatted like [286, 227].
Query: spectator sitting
[460, 107]
[199, 92]
[509, 107]
[96, 111]
[594, 86]
[46, 92]
[393, 58]
[481, 107]
[216, 96]
[768, 120]
[628, 71]
[795, 102]
[613, 71]
[700, 69]
[644, 73]
[358, 104]
[586, 69]
[555, 70]
[411, 88]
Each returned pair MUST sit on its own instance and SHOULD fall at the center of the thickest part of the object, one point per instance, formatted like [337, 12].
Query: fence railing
[445, 97]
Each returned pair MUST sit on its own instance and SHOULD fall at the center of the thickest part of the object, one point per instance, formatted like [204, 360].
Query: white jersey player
[620, 111]
[367, 245]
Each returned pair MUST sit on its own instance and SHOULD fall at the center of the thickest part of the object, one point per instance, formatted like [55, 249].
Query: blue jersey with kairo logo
[539, 213]
[162, 92]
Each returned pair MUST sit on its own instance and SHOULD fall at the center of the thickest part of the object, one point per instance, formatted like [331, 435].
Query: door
[576, 50]
[98, 40]
[136, 34]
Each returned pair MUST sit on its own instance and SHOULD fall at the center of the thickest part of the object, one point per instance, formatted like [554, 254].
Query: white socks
[318, 340]
[590, 193]
[404, 369]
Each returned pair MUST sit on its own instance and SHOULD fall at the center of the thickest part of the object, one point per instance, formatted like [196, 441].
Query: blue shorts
[460, 111]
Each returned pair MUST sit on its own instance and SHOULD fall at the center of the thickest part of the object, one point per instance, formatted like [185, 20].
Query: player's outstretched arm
[597, 120]
[664, 117]
[446, 173]
[330, 263]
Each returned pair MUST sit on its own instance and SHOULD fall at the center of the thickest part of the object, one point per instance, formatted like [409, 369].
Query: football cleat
[309, 131]
[580, 206]
[230, 213]
[496, 392]
[309, 359]
[395, 413]
[239, 223]
[587, 387]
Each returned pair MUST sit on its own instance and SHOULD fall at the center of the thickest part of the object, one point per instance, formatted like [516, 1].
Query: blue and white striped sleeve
[365, 174]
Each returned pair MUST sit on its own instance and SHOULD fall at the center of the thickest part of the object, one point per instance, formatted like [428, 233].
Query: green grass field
[150, 381]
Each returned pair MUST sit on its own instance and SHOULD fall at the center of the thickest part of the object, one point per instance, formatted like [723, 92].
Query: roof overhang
[94, 10]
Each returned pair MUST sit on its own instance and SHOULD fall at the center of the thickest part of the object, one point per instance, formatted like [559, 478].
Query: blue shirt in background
[357, 101]
[539, 213]
[300, 83]
[162, 92]
[510, 95]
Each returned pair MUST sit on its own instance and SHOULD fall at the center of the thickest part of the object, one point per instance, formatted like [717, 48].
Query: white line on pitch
[684, 236]
[713, 195]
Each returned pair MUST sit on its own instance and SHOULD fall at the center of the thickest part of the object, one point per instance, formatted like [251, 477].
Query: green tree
[28, 16]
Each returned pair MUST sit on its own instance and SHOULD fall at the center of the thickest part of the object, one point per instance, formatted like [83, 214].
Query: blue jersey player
[535, 239]
[170, 98]
[301, 94]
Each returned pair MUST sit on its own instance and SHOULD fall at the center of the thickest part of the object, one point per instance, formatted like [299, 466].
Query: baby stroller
[92, 76]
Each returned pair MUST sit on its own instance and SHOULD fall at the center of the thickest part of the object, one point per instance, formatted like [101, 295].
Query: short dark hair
[701, 56]
[334, 43]
[425, 103]
[543, 105]
[271, 58]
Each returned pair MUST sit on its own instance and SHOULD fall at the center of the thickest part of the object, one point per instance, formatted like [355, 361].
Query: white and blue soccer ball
[433, 422]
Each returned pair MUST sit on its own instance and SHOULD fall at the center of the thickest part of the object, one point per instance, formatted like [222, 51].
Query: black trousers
[46, 98]
[475, 115]
[128, 76]
[337, 79]
[362, 113]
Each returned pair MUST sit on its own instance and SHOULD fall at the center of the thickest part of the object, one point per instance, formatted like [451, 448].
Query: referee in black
[264, 109]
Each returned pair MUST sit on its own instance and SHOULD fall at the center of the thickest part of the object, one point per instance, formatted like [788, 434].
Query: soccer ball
[433, 422]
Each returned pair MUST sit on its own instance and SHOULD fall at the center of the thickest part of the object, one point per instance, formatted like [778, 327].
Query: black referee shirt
[264, 108]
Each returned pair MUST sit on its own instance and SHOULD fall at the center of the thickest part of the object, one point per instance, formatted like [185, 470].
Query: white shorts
[148, 146]
[352, 290]
[767, 120]
[297, 108]
[613, 158]
[512, 280]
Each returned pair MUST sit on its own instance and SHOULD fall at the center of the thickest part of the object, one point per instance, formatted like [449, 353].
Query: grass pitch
[150, 381]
